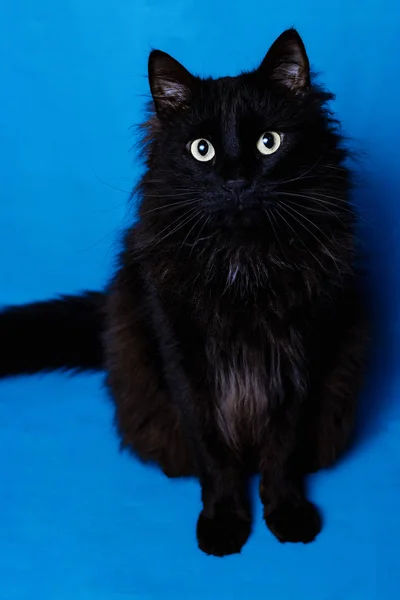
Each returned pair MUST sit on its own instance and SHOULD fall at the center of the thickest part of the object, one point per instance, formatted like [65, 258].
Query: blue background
[77, 518]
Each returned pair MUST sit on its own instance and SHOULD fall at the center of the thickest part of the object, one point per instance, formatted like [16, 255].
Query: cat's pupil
[203, 147]
[268, 140]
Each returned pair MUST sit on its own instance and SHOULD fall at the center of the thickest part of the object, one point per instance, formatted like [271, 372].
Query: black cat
[233, 333]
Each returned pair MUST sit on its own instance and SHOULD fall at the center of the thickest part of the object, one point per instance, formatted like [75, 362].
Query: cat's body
[233, 331]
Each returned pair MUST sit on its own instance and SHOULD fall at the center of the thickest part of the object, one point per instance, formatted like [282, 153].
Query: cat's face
[253, 156]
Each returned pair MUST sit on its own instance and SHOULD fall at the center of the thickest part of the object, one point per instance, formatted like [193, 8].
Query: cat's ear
[171, 84]
[286, 62]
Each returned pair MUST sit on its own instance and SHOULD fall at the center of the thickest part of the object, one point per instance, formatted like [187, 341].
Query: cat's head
[252, 159]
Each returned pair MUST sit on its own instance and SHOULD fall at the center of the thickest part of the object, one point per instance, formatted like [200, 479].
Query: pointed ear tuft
[171, 84]
[286, 62]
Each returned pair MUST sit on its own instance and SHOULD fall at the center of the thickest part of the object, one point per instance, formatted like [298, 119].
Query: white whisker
[283, 205]
[179, 204]
[299, 238]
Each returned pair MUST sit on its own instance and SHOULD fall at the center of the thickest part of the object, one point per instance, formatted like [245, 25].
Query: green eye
[202, 150]
[269, 142]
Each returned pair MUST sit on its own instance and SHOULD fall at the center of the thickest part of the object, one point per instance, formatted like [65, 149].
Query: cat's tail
[65, 333]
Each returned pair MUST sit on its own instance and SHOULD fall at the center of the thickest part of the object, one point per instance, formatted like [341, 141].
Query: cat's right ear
[171, 84]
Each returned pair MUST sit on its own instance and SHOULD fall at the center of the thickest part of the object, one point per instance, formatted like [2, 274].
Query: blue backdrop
[78, 519]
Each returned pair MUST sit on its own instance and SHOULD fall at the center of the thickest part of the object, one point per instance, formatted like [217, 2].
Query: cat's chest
[251, 371]
[238, 376]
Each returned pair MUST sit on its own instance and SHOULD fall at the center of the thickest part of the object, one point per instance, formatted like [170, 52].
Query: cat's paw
[291, 522]
[224, 534]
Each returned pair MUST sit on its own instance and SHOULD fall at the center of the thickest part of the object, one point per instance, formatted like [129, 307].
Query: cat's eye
[202, 150]
[269, 142]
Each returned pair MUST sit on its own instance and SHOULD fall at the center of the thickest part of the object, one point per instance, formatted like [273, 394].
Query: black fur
[234, 332]
[61, 334]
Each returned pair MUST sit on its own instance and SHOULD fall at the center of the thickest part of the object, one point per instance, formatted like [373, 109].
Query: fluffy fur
[233, 333]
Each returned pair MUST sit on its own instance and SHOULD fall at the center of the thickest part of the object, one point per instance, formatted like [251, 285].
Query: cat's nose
[235, 185]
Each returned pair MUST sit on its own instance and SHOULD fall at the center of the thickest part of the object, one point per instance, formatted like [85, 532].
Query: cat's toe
[224, 534]
[295, 522]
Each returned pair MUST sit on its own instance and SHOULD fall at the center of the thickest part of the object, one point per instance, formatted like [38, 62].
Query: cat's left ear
[171, 85]
[286, 62]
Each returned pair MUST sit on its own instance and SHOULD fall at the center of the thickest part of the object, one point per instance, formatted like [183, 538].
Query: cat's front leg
[224, 523]
[287, 512]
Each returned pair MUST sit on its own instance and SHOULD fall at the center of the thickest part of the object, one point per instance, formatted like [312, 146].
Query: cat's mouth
[242, 215]
[247, 215]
